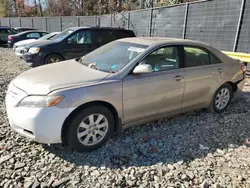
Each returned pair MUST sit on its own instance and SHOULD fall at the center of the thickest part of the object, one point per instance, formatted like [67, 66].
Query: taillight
[10, 38]
[243, 68]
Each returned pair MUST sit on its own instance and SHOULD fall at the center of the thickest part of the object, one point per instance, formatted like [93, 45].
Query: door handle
[178, 78]
[220, 70]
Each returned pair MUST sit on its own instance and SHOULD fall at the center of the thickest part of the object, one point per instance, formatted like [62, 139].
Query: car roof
[24, 28]
[160, 40]
[31, 31]
[101, 28]
[5, 27]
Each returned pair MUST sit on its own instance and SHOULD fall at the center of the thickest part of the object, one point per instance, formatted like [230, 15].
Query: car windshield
[63, 34]
[12, 31]
[49, 36]
[112, 57]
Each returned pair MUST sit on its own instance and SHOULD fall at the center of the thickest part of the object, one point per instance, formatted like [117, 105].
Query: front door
[77, 45]
[156, 93]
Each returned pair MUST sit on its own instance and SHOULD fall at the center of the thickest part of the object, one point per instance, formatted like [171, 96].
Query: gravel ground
[197, 149]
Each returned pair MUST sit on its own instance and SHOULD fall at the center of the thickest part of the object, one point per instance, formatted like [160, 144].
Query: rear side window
[43, 34]
[33, 35]
[124, 34]
[196, 57]
[3, 31]
[214, 59]
[103, 36]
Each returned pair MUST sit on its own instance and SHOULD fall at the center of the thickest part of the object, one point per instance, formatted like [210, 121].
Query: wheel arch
[118, 123]
[53, 53]
[233, 85]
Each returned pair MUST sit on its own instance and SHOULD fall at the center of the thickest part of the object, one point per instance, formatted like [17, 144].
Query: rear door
[77, 44]
[204, 73]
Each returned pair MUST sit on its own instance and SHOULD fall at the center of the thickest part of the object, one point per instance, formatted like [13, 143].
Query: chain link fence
[224, 24]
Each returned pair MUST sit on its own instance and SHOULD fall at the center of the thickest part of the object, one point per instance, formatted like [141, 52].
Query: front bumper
[32, 60]
[42, 125]
[18, 51]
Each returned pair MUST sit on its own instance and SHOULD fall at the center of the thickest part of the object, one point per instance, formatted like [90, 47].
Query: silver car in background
[126, 82]
[18, 47]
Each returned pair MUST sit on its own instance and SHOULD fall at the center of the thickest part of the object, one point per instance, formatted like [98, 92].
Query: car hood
[44, 79]
[23, 42]
[39, 43]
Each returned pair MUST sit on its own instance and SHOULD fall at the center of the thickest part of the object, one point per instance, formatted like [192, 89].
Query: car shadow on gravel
[182, 139]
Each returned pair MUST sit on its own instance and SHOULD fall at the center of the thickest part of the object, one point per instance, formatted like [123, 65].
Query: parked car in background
[4, 33]
[123, 83]
[18, 47]
[22, 29]
[72, 43]
[12, 39]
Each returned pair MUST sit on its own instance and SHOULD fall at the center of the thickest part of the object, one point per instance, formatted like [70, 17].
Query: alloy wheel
[54, 60]
[92, 129]
[222, 98]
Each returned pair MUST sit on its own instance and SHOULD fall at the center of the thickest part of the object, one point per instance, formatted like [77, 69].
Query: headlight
[40, 101]
[34, 50]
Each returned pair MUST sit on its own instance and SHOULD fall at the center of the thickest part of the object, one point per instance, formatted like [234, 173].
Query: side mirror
[70, 40]
[143, 69]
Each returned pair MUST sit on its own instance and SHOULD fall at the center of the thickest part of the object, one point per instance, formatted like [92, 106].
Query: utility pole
[151, 3]
[82, 6]
[40, 8]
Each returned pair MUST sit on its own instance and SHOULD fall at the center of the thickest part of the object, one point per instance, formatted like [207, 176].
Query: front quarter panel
[109, 91]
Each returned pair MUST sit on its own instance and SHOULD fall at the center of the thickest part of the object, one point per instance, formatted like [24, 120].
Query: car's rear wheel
[221, 98]
[90, 129]
[53, 58]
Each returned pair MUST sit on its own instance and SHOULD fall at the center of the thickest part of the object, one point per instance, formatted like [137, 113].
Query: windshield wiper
[84, 62]
[93, 66]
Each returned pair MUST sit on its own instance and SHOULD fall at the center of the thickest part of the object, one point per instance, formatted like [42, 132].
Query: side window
[214, 59]
[3, 31]
[33, 35]
[124, 34]
[43, 34]
[196, 57]
[165, 58]
[104, 36]
[80, 37]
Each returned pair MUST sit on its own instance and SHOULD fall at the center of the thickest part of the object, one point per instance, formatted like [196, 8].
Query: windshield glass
[113, 57]
[12, 31]
[49, 36]
[63, 34]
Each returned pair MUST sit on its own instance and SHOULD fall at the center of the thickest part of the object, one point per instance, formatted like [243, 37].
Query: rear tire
[53, 58]
[221, 99]
[90, 129]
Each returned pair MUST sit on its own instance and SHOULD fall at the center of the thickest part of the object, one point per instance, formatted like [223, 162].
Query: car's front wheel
[221, 98]
[90, 128]
[53, 58]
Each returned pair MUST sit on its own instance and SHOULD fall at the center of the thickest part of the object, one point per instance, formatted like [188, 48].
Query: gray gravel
[198, 149]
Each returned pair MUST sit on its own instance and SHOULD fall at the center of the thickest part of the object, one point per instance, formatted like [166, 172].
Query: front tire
[221, 99]
[90, 129]
[53, 58]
